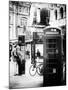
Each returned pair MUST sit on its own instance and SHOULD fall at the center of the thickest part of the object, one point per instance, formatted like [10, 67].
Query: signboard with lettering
[52, 31]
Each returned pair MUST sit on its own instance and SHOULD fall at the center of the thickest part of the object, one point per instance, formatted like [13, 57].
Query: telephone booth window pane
[51, 45]
[52, 60]
[50, 40]
[50, 51]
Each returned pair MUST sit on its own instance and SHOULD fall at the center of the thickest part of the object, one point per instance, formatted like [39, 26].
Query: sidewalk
[26, 81]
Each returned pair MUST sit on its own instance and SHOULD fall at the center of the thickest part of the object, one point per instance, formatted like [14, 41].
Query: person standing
[38, 54]
[14, 56]
[18, 59]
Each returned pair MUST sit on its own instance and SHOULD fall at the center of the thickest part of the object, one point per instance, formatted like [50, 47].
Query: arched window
[61, 12]
[65, 10]
[56, 14]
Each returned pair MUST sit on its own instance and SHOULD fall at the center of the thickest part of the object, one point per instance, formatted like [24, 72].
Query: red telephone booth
[52, 74]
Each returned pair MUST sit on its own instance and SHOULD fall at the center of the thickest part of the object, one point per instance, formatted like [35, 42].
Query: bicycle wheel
[32, 70]
[40, 69]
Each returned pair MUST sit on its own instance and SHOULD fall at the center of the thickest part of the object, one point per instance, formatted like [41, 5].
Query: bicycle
[36, 68]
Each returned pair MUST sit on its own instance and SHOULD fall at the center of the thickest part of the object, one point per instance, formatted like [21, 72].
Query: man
[18, 59]
[38, 53]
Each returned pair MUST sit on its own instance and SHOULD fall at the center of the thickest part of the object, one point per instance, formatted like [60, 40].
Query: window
[51, 41]
[51, 45]
[35, 18]
[44, 16]
[19, 9]
[61, 12]
[23, 21]
[64, 11]
[56, 14]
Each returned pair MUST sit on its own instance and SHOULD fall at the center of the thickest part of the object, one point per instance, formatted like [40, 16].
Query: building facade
[48, 15]
[18, 16]
[26, 18]
[58, 16]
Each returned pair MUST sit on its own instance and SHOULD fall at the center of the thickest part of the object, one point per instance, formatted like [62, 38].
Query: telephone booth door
[52, 60]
